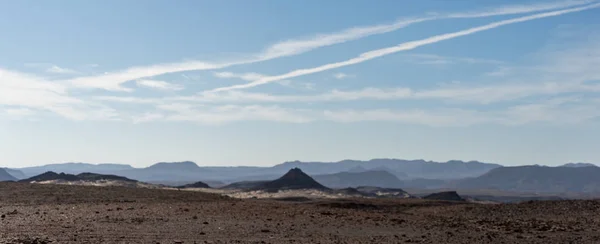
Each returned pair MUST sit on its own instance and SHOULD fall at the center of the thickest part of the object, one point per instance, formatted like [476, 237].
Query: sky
[263, 82]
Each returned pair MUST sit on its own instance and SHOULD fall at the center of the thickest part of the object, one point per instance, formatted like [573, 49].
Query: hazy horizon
[258, 83]
[271, 165]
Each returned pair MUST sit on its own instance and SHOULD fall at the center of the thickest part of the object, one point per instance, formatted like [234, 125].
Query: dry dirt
[34, 213]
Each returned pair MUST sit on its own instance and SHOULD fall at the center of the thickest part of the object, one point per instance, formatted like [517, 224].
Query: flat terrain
[32, 213]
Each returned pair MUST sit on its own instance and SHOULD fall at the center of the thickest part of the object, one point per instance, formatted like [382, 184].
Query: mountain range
[388, 173]
[541, 179]
[191, 172]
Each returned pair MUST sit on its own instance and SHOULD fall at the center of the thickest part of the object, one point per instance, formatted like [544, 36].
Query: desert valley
[344, 202]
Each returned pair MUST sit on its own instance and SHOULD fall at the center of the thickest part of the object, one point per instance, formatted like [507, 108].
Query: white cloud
[51, 68]
[478, 95]
[159, 85]
[256, 76]
[24, 91]
[520, 9]
[341, 76]
[293, 47]
[402, 47]
[112, 81]
[245, 76]
[231, 113]
[147, 117]
[18, 113]
[438, 60]
[58, 70]
[562, 110]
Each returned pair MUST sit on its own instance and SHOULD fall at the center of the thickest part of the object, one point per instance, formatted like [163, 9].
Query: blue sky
[262, 82]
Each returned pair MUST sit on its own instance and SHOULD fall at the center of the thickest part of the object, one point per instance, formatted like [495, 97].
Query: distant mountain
[538, 179]
[16, 173]
[175, 171]
[5, 176]
[427, 183]
[75, 168]
[411, 168]
[52, 176]
[578, 165]
[356, 179]
[294, 179]
[175, 166]
[186, 172]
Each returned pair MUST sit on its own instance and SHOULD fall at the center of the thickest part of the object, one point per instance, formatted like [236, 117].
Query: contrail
[403, 47]
[112, 81]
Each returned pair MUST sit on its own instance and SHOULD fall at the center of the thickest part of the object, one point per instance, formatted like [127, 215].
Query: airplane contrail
[114, 80]
[402, 47]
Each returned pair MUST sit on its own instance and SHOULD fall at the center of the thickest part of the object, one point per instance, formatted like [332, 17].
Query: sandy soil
[33, 213]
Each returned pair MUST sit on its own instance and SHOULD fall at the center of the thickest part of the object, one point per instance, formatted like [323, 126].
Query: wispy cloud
[51, 68]
[114, 80]
[59, 70]
[231, 113]
[466, 94]
[24, 91]
[256, 76]
[341, 76]
[245, 76]
[403, 47]
[18, 113]
[520, 9]
[443, 60]
[563, 110]
[159, 85]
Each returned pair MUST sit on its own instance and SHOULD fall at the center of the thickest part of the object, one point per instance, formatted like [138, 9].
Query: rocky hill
[52, 176]
[294, 179]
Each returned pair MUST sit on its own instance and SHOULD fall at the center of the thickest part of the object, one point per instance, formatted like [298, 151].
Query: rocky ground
[35, 213]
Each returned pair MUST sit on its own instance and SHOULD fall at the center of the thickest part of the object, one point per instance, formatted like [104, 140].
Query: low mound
[294, 179]
[244, 185]
[445, 196]
[52, 176]
[96, 177]
[349, 191]
[198, 184]
[383, 192]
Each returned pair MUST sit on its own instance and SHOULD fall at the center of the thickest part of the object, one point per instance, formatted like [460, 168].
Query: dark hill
[538, 179]
[75, 168]
[198, 184]
[354, 179]
[48, 176]
[95, 177]
[444, 196]
[294, 179]
[5, 176]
